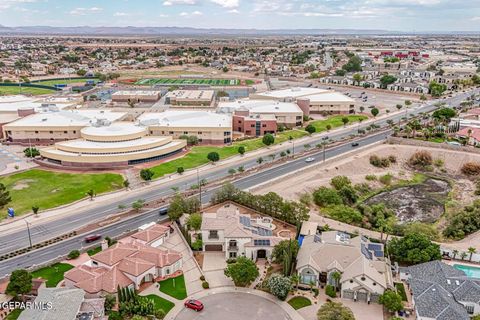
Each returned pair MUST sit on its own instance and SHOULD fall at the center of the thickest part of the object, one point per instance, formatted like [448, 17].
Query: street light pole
[199, 187]
[28, 230]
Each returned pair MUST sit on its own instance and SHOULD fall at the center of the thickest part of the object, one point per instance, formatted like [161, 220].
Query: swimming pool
[471, 272]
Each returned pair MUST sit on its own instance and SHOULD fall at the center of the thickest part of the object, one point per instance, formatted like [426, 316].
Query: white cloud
[7, 4]
[179, 2]
[475, 18]
[191, 14]
[227, 3]
[85, 11]
[233, 11]
[121, 14]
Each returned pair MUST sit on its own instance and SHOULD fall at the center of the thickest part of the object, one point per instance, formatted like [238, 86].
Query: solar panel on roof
[245, 221]
[366, 252]
[375, 246]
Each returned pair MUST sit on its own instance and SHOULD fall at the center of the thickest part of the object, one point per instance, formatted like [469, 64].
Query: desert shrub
[339, 182]
[421, 159]
[379, 162]
[202, 277]
[205, 285]
[465, 222]
[471, 168]
[392, 158]
[330, 291]
[315, 292]
[362, 188]
[306, 198]
[73, 254]
[371, 177]
[324, 196]
[438, 163]
[386, 179]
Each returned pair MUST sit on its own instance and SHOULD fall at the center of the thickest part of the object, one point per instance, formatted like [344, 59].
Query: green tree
[391, 300]
[444, 114]
[176, 208]
[31, 152]
[328, 127]
[324, 196]
[138, 204]
[194, 221]
[345, 120]
[74, 254]
[146, 174]
[180, 170]
[334, 311]
[338, 182]
[374, 112]
[336, 276]
[243, 272]
[436, 89]
[91, 193]
[414, 248]
[241, 150]
[471, 251]
[279, 286]
[20, 283]
[310, 129]
[386, 80]
[213, 156]
[353, 64]
[35, 209]
[357, 77]
[268, 139]
[280, 250]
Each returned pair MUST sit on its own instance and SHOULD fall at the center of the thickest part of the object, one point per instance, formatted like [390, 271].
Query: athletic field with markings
[180, 81]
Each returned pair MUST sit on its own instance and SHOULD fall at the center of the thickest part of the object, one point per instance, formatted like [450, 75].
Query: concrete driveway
[235, 306]
[190, 270]
[213, 268]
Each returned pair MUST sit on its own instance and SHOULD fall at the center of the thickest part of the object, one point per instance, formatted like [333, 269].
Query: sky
[395, 15]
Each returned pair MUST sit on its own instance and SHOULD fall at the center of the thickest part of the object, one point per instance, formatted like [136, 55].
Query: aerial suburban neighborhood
[238, 159]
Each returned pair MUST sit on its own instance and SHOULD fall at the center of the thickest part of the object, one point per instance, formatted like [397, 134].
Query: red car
[194, 305]
[92, 237]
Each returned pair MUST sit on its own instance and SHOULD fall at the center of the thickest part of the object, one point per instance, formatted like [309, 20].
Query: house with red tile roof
[129, 263]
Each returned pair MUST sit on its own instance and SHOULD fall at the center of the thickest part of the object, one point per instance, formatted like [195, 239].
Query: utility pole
[199, 187]
[29, 235]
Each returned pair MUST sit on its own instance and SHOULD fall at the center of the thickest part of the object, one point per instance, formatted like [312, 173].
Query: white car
[310, 159]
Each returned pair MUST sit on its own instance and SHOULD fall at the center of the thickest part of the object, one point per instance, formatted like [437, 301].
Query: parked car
[194, 305]
[310, 159]
[92, 237]
[354, 144]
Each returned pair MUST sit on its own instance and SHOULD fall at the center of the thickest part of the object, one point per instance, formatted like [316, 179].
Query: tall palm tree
[454, 252]
[463, 255]
[471, 250]
[336, 276]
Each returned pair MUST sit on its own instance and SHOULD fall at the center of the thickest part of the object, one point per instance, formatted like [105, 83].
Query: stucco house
[365, 271]
[239, 231]
[129, 263]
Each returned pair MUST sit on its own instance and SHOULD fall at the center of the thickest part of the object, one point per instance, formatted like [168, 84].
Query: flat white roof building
[259, 106]
[190, 97]
[296, 92]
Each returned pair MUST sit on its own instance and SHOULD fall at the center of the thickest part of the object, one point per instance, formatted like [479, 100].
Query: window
[232, 254]
[264, 125]
[470, 308]
[200, 132]
[252, 125]
[213, 234]
[65, 132]
[51, 131]
[74, 131]
[36, 131]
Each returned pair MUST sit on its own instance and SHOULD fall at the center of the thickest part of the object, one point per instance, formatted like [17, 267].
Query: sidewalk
[9, 226]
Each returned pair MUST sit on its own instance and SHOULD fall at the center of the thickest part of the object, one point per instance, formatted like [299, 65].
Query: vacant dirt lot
[357, 166]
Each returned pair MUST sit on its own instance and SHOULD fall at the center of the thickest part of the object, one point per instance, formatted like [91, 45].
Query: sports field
[181, 81]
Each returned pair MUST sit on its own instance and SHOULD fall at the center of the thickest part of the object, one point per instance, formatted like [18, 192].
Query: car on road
[163, 211]
[310, 159]
[194, 305]
[355, 144]
[92, 237]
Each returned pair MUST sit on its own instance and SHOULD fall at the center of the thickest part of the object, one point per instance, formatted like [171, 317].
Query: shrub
[371, 177]
[202, 277]
[231, 260]
[279, 286]
[386, 179]
[420, 159]
[180, 170]
[339, 182]
[330, 291]
[74, 254]
[324, 196]
[205, 285]
[438, 163]
[315, 292]
[378, 162]
[471, 169]
[392, 158]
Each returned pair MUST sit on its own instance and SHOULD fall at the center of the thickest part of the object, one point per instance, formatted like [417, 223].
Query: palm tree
[454, 252]
[463, 255]
[295, 280]
[471, 250]
[91, 194]
[336, 276]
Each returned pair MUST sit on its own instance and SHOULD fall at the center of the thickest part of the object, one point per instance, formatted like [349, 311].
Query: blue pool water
[300, 239]
[471, 272]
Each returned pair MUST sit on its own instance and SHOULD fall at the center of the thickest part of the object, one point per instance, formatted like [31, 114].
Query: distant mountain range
[152, 31]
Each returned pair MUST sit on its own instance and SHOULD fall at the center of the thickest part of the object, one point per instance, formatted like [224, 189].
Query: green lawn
[161, 303]
[53, 274]
[94, 251]
[24, 90]
[48, 189]
[174, 287]
[299, 302]
[14, 314]
[198, 154]
[64, 81]
[335, 121]
[401, 290]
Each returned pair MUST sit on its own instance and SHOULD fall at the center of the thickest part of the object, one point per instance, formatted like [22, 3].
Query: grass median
[336, 121]
[48, 189]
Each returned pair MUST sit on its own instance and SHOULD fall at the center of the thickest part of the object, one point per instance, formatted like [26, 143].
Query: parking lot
[364, 97]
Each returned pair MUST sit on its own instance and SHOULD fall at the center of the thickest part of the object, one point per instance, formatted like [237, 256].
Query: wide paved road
[68, 223]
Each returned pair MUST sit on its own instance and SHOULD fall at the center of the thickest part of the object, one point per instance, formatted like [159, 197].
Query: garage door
[213, 247]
